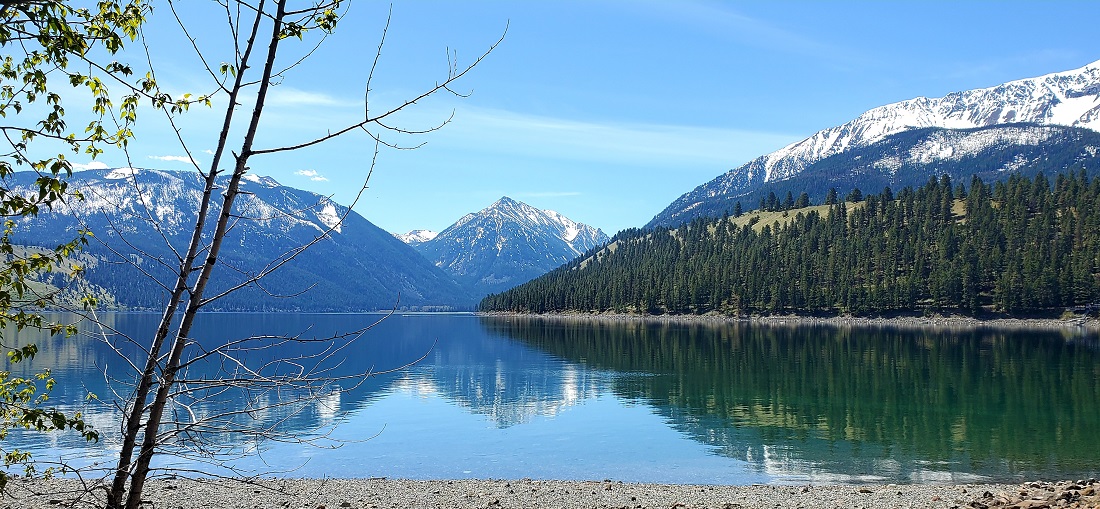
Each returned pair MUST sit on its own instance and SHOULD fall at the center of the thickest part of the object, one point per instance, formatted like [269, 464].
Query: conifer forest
[1021, 246]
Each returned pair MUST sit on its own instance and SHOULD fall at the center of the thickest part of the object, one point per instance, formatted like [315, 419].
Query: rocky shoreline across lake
[527, 493]
[1083, 324]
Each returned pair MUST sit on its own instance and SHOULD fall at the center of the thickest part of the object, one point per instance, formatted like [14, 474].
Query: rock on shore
[1044, 495]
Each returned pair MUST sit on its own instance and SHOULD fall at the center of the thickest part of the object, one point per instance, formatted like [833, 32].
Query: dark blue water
[513, 398]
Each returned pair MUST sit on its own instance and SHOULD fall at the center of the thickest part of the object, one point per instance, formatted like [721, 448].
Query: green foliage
[1019, 247]
[22, 407]
[855, 196]
[43, 42]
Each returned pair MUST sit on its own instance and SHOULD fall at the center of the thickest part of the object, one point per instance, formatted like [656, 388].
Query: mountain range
[505, 244]
[140, 216]
[966, 124]
[139, 220]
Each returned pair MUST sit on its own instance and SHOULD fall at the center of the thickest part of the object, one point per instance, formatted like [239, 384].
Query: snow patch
[890, 164]
[329, 217]
[956, 146]
[121, 173]
[262, 180]
[416, 236]
[571, 233]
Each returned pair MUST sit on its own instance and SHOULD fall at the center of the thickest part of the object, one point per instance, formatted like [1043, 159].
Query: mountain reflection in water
[513, 397]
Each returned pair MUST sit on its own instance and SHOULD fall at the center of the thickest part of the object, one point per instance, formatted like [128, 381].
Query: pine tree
[803, 201]
[855, 196]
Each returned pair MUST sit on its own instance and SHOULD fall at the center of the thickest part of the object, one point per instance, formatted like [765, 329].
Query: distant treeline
[1019, 246]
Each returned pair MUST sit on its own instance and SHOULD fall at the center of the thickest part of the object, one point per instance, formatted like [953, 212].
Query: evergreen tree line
[1018, 246]
[772, 203]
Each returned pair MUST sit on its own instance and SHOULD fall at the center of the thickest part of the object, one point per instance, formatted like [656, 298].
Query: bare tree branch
[451, 78]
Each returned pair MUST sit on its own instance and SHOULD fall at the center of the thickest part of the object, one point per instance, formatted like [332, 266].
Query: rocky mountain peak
[508, 243]
[504, 202]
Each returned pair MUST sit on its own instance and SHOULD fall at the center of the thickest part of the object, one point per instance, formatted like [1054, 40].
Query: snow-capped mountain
[910, 158]
[1070, 98]
[508, 243]
[139, 216]
[416, 237]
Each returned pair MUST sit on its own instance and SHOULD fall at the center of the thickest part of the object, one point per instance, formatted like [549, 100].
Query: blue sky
[603, 110]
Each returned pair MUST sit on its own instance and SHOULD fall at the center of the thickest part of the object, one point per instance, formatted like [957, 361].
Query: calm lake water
[502, 397]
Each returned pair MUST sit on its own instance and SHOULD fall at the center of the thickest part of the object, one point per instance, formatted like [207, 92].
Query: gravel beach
[526, 493]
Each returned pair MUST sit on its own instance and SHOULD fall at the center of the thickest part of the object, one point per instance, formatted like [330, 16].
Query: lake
[513, 397]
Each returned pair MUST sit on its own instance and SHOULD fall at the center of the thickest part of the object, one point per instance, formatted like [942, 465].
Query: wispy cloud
[94, 165]
[179, 159]
[722, 18]
[670, 146]
[208, 152]
[547, 194]
[312, 175]
[290, 96]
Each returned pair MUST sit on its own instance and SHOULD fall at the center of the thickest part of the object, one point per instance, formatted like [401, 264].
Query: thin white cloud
[671, 146]
[208, 152]
[312, 175]
[179, 159]
[548, 194]
[290, 96]
[94, 165]
[721, 18]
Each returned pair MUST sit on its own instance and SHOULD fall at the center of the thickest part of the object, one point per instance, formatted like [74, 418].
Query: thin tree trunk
[156, 411]
[133, 415]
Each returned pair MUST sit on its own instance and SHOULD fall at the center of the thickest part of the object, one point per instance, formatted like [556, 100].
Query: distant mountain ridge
[139, 215]
[1070, 99]
[910, 158]
[415, 237]
[506, 244]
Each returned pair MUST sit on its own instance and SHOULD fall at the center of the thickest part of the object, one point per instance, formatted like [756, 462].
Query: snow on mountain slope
[956, 145]
[143, 214]
[1069, 98]
[508, 243]
[415, 237]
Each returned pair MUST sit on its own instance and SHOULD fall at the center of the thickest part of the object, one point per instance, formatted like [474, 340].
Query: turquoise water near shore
[515, 397]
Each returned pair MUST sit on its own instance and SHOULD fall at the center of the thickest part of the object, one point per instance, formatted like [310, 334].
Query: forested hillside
[1018, 246]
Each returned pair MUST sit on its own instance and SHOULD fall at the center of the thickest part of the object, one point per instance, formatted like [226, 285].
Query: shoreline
[1084, 324]
[526, 493]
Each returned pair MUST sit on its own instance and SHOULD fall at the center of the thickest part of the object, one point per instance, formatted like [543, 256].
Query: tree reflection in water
[849, 402]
